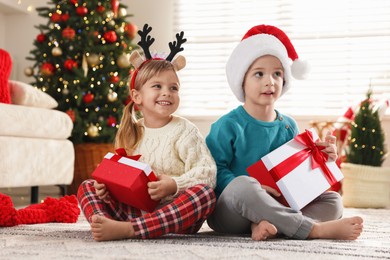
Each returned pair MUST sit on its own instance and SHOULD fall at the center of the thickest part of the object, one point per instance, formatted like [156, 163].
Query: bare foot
[104, 229]
[343, 229]
[263, 230]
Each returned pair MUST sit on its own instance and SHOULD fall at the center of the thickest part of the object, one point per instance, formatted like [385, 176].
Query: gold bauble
[123, 61]
[112, 96]
[56, 51]
[92, 131]
[28, 71]
[93, 59]
[122, 12]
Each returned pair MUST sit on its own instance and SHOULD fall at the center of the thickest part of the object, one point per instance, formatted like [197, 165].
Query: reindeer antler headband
[146, 41]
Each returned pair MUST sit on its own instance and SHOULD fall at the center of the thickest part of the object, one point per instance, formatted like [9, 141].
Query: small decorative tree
[366, 183]
[367, 141]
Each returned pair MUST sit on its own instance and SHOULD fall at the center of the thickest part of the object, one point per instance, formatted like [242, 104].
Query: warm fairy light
[87, 110]
[363, 146]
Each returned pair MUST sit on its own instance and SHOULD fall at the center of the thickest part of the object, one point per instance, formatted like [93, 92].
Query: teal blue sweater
[237, 141]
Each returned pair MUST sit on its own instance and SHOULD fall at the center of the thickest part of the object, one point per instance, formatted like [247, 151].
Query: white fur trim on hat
[255, 46]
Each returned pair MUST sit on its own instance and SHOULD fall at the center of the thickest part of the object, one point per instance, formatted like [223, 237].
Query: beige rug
[73, 241]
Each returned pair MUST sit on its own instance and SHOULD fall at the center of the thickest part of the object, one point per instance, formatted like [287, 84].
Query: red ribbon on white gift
[318, 159]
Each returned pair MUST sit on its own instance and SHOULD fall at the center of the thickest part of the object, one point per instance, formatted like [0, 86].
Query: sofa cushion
[34, 122]
[26, 95]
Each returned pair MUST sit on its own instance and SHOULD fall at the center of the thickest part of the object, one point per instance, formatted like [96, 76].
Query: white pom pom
[300, 69]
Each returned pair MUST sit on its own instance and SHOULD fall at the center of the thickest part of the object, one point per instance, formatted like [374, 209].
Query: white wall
[17, 33]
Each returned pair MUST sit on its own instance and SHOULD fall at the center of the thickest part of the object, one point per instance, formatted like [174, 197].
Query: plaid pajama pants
[185, 214]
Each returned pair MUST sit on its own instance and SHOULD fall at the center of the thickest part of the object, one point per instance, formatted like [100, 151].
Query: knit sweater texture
[178, 150]
[237, 140]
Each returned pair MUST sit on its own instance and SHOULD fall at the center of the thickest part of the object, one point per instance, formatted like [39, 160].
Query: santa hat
[259, 41]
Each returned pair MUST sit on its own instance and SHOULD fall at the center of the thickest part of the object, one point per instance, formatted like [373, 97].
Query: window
[346, 42]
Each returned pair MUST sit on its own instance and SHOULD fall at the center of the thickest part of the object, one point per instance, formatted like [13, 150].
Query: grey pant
[244, 202]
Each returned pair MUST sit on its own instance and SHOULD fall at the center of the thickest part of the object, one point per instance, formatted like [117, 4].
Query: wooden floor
[21, 196]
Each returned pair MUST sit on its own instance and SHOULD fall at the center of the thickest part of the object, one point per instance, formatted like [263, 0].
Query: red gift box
[126, 180]
[299, 170]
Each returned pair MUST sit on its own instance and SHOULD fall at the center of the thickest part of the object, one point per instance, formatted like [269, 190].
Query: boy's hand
[102, 192]
[330, 146]
[165, 186]
[271, 191]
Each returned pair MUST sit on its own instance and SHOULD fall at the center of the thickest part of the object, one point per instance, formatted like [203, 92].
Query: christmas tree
[366, 142]
[81, 60]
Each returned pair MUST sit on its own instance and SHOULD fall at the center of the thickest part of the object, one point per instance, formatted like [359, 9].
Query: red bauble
[55, 17]
[110, 36]
[69, 64]
[71, 114]
[81, 10]
[68, 33]
[74, 2]
[111, 121]
[64, 17]
[100, 9]
[114, 6]
[88, 98]
[114, 79]
[41, 38]
[47, 69]
[131, 30]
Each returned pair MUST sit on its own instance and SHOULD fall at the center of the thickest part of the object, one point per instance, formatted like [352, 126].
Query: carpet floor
[74, 241]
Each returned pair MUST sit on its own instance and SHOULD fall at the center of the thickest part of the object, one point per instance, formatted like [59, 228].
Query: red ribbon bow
[121, 152]
[318, 159]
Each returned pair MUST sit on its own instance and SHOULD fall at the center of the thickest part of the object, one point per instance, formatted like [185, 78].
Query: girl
[259, 72]
[171, 145]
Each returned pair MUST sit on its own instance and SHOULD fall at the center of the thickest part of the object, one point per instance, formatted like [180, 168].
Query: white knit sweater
[178, 149]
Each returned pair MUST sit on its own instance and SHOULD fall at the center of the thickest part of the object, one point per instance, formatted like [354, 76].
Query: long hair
[130, 131]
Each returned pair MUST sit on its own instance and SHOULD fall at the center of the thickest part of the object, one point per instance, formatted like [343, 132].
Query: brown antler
[146, 40]
[176, 46]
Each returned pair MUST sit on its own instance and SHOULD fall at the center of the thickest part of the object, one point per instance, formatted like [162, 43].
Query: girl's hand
[330, 146]
[271, 191]
[102, 192]
[165, 186]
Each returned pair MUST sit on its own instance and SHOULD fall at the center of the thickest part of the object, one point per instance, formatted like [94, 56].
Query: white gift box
[302, 184]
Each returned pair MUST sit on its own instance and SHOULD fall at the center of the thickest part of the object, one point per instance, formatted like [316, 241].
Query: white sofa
[34, 146]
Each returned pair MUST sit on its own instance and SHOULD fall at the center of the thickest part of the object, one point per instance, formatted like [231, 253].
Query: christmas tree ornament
[123, 61]
[92, 131]
[65, 17]
[41, 37]
[109, 14]
[47, 69]
[69, 64]
[131, 30]
[88, 98]
[111, 121]
[82, 10]
[93, 59]
[55, 17]
[112, 96]
[68, 33]
[100, 9]
[65, 91]
[247, 51]
[114, 7]
[28, 71]
[114, 79]
[56, 51]
[71, 114]
[74, 2]
[122, 12]
[110, 36]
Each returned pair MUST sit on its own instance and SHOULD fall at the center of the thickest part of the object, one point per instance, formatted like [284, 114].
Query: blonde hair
[130, 131]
